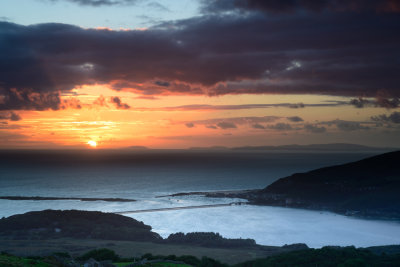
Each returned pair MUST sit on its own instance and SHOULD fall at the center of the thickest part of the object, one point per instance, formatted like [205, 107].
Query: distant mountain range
[369, 188]
[317, 147]
[342, 147]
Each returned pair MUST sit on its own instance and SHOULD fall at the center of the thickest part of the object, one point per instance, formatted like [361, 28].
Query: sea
[150, 176]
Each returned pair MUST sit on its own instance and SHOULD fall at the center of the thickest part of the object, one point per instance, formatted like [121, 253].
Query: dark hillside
[76, 224]
[369, 187]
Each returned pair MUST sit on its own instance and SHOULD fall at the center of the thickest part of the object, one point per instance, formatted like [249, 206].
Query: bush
[208, 262]
[102, 254]
[209, 239]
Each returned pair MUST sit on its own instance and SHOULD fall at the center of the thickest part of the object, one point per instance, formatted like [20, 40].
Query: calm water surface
[145, 175]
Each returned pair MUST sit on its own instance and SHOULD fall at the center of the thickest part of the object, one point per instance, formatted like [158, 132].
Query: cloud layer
[12, 116]
[393, 118]
[326, 50]
[290, 6]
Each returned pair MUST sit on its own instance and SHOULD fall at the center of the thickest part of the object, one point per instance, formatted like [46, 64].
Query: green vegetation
[104, 254]
[122, 264]
[57, 259]
[13, 261]
[100, 255]
[49, 224]
[188, 259]
[209, 239]
[56, 224]
[167, 265]
[327, 256]
[159, 264]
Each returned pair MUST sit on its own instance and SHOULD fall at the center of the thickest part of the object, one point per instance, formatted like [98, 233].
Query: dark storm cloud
[298, 105]
[272, 6]
[281, 127]
[258, 126]
[71, 103]
[289, 6]
[162, 83]
[233, 122]
[359, 102]
[12, 116]
[380, 101]
[226, 125]
[211, 127]
[349, 126]
[388, 103]
[28, 99]
[335, 53]
[393, 118]
[294, 119]
[118, 103]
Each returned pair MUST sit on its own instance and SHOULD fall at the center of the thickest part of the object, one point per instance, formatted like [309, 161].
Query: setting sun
[92, 143]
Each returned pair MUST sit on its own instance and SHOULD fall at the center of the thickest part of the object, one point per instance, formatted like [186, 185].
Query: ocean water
[146, 175]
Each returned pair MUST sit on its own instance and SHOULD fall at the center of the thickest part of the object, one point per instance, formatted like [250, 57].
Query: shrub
[102, 254]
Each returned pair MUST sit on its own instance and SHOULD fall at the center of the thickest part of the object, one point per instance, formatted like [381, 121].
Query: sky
[198, 73]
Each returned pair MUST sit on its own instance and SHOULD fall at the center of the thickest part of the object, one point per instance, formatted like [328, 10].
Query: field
[129, 249]
[13, 261]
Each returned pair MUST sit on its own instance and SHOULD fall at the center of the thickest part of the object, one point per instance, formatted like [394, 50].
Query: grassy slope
[132, 249]
[327, 256]
[48, 224]
[13, 261]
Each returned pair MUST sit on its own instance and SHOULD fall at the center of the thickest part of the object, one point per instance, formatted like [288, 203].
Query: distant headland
[365, 188]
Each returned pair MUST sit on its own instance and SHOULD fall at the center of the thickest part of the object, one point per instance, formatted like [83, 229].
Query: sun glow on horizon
[92, 143]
